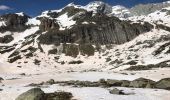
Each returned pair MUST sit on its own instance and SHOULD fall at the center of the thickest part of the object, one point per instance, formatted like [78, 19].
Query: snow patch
[65, 22]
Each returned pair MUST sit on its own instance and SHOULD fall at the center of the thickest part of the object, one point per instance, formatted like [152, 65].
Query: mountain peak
[20, 14]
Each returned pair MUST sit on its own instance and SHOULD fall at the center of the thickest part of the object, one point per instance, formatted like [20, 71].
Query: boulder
[38, 94]
[51, 81]
[116, 91]
[163, 84]
[142, 83]
[32, 94]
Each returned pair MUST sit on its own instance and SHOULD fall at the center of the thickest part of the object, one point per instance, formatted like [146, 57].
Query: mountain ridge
[75, 33]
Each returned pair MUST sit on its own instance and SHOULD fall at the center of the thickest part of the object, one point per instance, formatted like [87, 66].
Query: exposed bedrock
[100, 29]
[14, 22]
[47, 24]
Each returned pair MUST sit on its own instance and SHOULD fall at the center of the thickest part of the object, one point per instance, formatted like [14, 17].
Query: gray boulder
[163, 84]
[51, 81]
[142, 83]
[38, 94]
[32, 94]
[116, 91]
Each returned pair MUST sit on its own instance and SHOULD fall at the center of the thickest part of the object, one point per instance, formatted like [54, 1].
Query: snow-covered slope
[139, 50]
[158, 17]
[120, 12]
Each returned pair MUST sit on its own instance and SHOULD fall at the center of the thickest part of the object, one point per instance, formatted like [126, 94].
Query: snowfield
[13, 88]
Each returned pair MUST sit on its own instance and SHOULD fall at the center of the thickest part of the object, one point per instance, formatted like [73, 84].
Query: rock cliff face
[14, 22]
[98, 29]
[78, 30]
[48, 24]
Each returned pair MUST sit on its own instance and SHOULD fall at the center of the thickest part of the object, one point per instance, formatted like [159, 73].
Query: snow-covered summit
[20, 14]
[99, 6]
[120, 11]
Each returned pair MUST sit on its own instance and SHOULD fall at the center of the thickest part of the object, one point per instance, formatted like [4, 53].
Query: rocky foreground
[87, 85]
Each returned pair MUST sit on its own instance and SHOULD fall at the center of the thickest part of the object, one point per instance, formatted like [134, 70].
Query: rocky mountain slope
[97, 35]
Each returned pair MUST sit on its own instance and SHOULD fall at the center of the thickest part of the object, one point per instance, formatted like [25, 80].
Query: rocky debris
[53, 51]
[76, 62]
[116, 91]
[73, 50]
[137, 83]
[38, 94]
[163, 64]
[37, 62]
[142, 83]
[164, 27]
[6, 39]
[51, 81]
[5, 49]
[59, 96]
[22, 74]
[145, 9]
[132, 62]
[161, 49]
[13, 59]
[163, 84]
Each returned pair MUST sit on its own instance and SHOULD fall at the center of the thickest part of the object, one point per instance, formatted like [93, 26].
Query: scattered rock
[59, 96]
[23, 74]
[76, 62]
